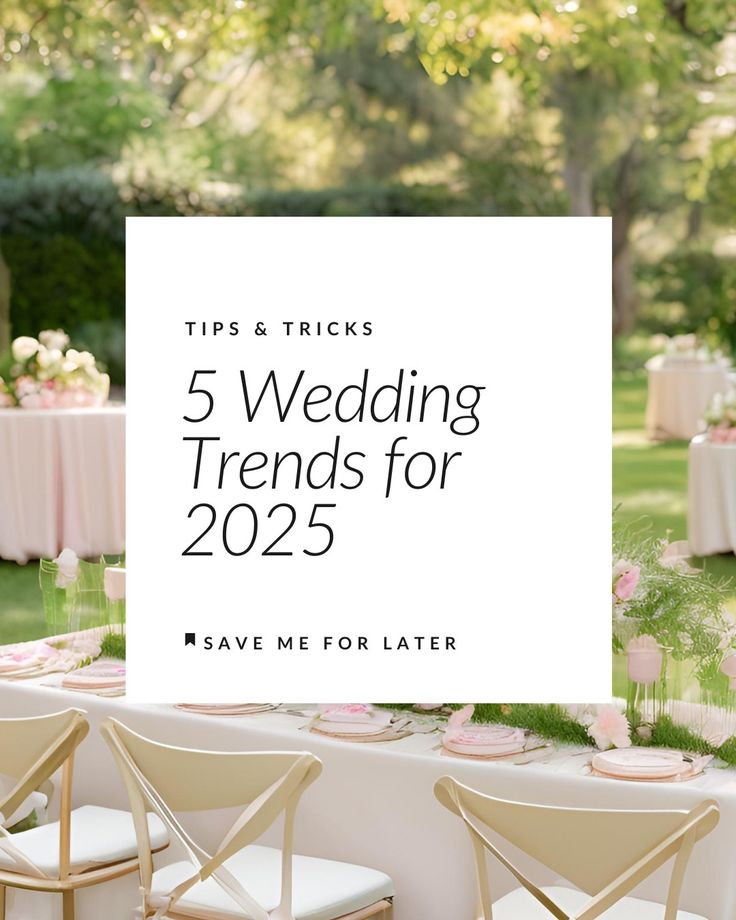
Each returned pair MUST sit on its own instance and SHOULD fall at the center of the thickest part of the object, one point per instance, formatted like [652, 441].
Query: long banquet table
[374, 805]
[711, 514]
[62, 482]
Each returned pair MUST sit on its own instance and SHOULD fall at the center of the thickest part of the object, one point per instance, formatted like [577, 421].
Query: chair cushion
[99, 836]
[323, 889]
[520, 905]
[36, 801]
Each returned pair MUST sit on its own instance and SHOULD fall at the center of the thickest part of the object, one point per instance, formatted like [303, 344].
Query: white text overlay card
[368, 459]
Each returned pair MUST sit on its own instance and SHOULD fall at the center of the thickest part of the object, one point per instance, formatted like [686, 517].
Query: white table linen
[711, 514]
[374, 806]
[679, 394]
[62, 482]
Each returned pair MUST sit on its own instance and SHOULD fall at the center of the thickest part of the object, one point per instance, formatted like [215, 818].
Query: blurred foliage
[691, 289]
[61, 281]
[331, 107]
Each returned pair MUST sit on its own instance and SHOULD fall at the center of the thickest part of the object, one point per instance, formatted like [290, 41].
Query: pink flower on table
[31, 401]
[24, 386]
[625, 583]
[610, 728]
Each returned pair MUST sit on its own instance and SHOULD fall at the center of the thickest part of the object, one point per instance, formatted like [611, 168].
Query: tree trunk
[4, 305]
[579, 185]
[623, 208]
[694, 220]
[624, 289]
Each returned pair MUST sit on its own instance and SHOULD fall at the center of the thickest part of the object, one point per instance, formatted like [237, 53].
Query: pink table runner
[62, 482]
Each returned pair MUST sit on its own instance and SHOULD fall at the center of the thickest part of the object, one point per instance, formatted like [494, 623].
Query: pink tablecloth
[62, 482]
[678, 395]
[711, 515]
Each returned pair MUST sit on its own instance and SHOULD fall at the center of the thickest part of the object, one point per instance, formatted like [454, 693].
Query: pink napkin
[354, 712]
[490, 737]
[31, 657]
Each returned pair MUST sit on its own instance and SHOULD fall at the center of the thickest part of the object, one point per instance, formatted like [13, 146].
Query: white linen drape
[711, 516]
[678, 395]
[62, 482]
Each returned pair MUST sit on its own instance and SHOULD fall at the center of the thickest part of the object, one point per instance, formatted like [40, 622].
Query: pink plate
[483, 740]
[641, 763]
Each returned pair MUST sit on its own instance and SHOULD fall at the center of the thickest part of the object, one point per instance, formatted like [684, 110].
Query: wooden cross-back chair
[604, 853]
[86, 846]
[241, 879]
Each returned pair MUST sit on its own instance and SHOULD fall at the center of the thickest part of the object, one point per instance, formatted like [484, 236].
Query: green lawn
[21, 613]
[650, 480]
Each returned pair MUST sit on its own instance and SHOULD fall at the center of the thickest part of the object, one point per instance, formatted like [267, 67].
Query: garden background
[400, 107]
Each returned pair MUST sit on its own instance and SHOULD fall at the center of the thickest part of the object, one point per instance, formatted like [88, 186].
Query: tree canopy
[622, 107]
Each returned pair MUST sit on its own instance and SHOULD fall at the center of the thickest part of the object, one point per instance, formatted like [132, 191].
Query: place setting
[490, 742]
[52, 655]
[226, 709]
[104, 677]
[648, 765]
[359, 722]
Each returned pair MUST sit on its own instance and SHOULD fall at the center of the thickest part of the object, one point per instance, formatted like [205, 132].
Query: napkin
[354, 712]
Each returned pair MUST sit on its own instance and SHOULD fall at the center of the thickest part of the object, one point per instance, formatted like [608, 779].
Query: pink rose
[610, 728]
[626, 583]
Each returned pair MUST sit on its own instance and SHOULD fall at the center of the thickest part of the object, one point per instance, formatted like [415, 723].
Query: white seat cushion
[36, 801]
[99, 836]
[520, 905]
[323, 889]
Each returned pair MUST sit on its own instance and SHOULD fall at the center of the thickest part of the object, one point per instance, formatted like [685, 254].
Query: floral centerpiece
[45, 373]
[690, 348]
[600, 727]
[685, 350]
[720, 417]
[664, 610]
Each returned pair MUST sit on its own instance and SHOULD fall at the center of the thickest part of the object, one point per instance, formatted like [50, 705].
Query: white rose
[24, 347]
[85, 359]
[68, 566]
[47, 357]
[54, 339]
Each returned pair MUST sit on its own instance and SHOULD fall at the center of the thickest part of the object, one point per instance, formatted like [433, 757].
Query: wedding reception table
[711, 516]
[374, 805]
[678, 395]
[62, 482]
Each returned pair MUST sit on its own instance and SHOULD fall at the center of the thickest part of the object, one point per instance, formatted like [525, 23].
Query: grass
[21, 611]
[650, 480]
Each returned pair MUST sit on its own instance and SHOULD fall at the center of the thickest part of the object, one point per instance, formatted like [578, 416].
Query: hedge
[63, 235]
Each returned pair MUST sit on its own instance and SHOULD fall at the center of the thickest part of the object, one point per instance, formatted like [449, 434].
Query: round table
[62, 482]
[711, 514]
[678, 395]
